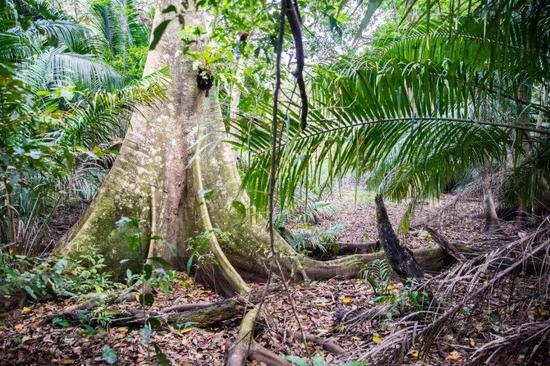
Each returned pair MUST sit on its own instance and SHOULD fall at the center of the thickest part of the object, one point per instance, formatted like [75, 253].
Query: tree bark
[491, 217]
[402, 259]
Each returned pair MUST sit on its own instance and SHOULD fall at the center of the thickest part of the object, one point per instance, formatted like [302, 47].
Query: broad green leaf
[108, 354]
[158, 32]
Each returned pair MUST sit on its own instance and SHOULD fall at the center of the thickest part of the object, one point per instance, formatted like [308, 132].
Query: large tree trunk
[158, 179]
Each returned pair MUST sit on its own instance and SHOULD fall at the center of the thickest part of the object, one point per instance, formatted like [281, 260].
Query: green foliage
[63, 101]
[319, 360]
[108, 354]
[199, 247]
[150, 278]
[423, 105]
[316, 241]
[378, 274]
[61, 277]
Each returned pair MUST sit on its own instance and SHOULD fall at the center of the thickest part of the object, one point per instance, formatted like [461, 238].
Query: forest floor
[27, 339]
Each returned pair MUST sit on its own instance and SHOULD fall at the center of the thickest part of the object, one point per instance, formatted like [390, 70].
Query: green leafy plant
[378, 274]
[316, 241]
[62, 277]
[199, 247]
[319, 360]
[151, 277]
[108, 354]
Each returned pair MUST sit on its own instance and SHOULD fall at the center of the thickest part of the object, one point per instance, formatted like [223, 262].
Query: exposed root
[227, 280]
[245, 347]
[357, 248]
[328, 345]
[264, 355]
[430, 259]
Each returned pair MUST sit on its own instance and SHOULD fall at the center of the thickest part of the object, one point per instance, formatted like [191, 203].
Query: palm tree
[419, 108]
[60, 104]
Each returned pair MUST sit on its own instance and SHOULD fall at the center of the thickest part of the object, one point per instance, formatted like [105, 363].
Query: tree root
[202, 315]
[106, 298]
[357, 248]
[328, 345]
[429, 259]
[245, 347]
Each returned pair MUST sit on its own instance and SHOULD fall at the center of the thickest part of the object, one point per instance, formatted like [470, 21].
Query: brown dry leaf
[19, 326]
[454, 356]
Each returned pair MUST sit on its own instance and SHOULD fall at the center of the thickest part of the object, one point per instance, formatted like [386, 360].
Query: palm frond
[118, 26]
[54, 67]
[71, 34]
[102, 116]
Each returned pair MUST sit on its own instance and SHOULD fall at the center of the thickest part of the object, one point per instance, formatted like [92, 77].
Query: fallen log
[357, 248]
[201, 315]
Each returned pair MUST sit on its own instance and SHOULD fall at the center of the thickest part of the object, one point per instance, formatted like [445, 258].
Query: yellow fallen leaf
[347, 300]
[377, 339]
[123, 330]
[186, 330]
[454, 356]
[414, 353]
[19, 326]
[25, 310]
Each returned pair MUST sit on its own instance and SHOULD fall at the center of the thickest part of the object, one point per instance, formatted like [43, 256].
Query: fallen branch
[328, 345]
[95, 300]
[478, 276]
[504, 349]
[449, 248]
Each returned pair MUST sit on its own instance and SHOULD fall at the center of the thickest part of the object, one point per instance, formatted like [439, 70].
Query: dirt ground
[26, 339]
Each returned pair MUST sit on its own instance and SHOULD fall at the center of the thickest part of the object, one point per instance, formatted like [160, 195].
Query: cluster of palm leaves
[453, 87]
[66, 93]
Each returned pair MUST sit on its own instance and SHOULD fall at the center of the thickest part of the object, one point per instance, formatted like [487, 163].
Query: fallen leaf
[454, 356]
[122, 330]
[377, 339]
[25, 310]
[414, 353]
[19, 326]
[347, 300]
